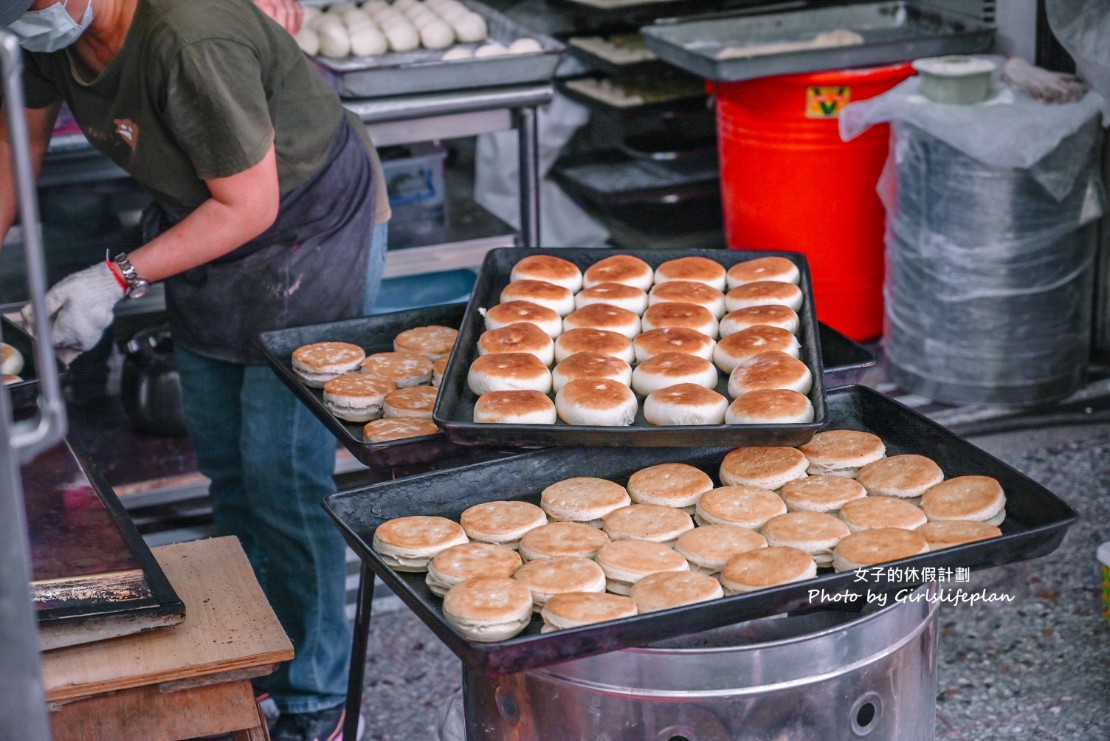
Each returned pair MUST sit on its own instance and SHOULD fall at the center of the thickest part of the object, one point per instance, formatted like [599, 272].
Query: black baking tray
[846, 361]
[25, 393]
[1035, 524]
[373, 333]
[897, 31]
[424, 71]
[455, 404]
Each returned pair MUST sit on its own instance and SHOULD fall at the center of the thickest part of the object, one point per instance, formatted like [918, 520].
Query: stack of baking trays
[903, 468]
[655, 178]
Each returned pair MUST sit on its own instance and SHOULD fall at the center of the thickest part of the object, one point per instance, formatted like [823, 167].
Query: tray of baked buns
[17, 362]
[654, 347]
[564, 552]
[404, 47]
[373, 380]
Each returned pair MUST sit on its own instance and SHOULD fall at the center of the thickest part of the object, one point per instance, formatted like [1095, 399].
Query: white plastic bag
[1083, 28]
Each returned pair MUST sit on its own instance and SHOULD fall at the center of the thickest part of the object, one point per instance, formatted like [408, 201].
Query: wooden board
[229, 628]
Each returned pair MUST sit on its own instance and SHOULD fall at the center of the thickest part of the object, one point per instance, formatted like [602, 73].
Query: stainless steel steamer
[822, 676]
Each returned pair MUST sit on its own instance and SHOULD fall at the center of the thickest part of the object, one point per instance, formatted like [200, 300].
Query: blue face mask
[49, 29]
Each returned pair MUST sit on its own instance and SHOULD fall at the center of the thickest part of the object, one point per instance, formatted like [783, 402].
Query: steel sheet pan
[892, 32]
[1035, 525]
[422, 70]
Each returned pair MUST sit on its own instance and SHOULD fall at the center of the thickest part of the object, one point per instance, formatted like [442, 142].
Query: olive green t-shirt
[198, 91]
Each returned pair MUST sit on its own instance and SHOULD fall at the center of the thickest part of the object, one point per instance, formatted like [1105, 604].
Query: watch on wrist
[137, 285]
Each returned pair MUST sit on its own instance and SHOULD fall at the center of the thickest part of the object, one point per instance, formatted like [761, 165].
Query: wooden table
[184, 681]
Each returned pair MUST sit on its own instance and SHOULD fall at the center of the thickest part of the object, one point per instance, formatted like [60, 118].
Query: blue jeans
[378, 244]
[271, 463]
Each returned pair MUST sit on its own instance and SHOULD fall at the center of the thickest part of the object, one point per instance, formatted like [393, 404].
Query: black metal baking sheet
[423, 70]
[90, 565]
[892, 32]
[455, 405]
[846, 361]
[579, 48]
[373, 334]
[1035, 524]
[24, 394]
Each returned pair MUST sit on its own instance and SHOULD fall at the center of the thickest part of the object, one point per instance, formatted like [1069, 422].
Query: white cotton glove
[80, 307]
[1041, 84]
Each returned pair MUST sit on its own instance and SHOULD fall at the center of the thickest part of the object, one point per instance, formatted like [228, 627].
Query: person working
[265, 196]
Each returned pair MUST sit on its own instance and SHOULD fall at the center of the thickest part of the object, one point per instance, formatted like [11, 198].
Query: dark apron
[308, 267]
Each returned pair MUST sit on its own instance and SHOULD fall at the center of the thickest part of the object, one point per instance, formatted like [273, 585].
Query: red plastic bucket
[788, 182]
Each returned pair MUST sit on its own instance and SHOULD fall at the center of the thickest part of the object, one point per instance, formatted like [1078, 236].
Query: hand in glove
[1041, 84]
[80, 306]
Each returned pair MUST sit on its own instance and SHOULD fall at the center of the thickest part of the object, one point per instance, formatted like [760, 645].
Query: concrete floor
[1036, 667]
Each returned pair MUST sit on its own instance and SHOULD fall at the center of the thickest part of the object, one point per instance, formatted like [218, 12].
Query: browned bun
[672, 339]
[508, 371]
[431, 341]
[403, 368]
[516, 338]
[770, 370]
[735, 348]
[688, 292]
[600, 341]
[515, 407]
[626, 269]
[511, 312]
[557, 298]
[413, 401]
[397, 428]
[770, 406]
[590, 365]
[685, 404]
[604, 316]
[693, 268]
[596, 401]
[770, 268]
[615, 294]
[548, 268]
[764, 292]
[676, 314]
[772, 315]
[670, 369]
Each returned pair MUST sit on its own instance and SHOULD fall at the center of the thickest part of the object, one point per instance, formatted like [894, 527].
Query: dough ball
[423, 20]
[368, 41]
[372, 6]
[340, 8]
[525, 46]
[353, 17]
[308, 14]
[402, 38]
[490, 50]
[335, 42]
[324, 20]
[457, 52]
[402, 4]
[452, 13]
[436, 35]
[309, 42]
[470, 28]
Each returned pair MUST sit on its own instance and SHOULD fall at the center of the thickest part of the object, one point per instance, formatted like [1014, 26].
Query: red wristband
[118, 275]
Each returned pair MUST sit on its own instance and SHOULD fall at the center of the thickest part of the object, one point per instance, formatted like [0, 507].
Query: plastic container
[415, 180]
[955, 79]
[788, 182]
